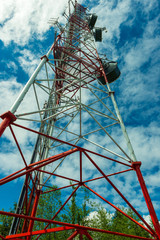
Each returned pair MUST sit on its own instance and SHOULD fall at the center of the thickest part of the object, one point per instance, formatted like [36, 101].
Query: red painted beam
[2, 237]
[60, 176]
[11, 175]
[88, 236]
[118, 209]
[56, 189]
[78, 58]
[8, 118]
[117, 190]
[80, 163]
[72, 145]
[109, 175]
[73, 235]
[15, 139]
[33, 214]
[76, 226]
[40, 164]
[136, 167]
[57, 229]
[61, 207]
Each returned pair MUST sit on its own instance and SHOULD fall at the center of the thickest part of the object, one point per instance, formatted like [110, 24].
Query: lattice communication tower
[70, 113]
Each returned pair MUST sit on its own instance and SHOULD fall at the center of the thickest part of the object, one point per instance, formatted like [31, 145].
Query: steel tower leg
[136, 166]
[34, 209]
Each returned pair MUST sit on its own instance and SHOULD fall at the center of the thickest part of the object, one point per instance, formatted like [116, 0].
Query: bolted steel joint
[9, 115]
[136, 165]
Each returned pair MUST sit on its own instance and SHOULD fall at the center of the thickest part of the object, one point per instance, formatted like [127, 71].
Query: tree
[48, 205]
[116, 222]
[79, 211]
[5, 222]
[75, 211]
[100, 219]
[123, 224]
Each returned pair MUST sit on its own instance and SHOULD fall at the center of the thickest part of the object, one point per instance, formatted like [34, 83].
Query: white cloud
[153, 180]
[108, 15]
[94, 215]
[12, 161]
[147, 6]
[12, 65]
[28, 61]
[147, 218]
[6, 10]
[146, 144]
[25, 18]
[8, 92]
[141, 53]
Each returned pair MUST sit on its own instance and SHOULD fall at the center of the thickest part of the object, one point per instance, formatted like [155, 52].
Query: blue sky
[132, 39]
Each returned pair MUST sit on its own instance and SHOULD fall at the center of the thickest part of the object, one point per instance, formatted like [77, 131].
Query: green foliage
[48, 205]
[102, 220]
[116, 223]
[73, 212]
[5, 222]
[77, 211]
[125, 225]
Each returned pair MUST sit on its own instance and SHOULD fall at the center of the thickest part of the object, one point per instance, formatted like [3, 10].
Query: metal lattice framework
[78, 120]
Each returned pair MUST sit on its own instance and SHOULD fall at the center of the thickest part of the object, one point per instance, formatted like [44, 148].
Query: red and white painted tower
[74, 119]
